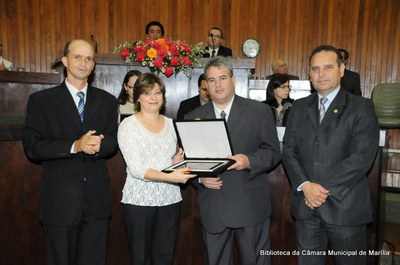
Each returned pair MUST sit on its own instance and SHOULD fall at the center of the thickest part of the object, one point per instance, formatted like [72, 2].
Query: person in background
[5, 64]
[279, 66]
[190, 104]
[236, 205]
[151, 198]
[71, 129]
[125, 98]
[154, 30]
[350, 79]
[330, 143]
[278, 98]
[215, 48]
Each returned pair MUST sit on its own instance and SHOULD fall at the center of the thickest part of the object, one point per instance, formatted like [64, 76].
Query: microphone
[213, 44]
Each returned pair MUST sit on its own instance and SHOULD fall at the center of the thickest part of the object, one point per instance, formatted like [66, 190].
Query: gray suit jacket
[244, 198]
[337, 154]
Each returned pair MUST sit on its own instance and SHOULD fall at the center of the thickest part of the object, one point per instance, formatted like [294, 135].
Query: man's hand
[314, 194]
[212, 183]
[89, 143]
[242, 162]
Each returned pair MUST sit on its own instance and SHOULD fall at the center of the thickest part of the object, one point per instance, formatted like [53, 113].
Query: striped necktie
[223, 115]
[322, 109]
[81, 104]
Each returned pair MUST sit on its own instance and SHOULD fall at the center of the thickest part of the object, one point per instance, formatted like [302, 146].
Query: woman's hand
[180, 175]
[178, 157]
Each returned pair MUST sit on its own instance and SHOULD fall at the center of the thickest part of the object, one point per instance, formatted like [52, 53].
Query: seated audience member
[278, 98]
[4, 64]
[125, 98]
[154, 30]
[279, 66]
[150, 198]
[350, 80]
[190, 104]
[215, 48]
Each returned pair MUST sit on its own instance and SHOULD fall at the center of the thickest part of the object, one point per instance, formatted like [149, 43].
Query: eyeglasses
[131, 87]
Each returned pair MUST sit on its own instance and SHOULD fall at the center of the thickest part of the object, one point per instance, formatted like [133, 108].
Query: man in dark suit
[190, 104]
[327, 162]
[350, 79]
[215, 48]
[236, 204]
[72, 136]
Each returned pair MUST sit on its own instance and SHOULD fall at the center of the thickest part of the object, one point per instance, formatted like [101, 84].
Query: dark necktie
[212, 54]
[223, 115]
[322, 108]
[81, 104]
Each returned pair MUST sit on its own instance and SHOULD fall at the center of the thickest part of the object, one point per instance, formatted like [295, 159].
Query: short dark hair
[155, 23]
[143, 84]
[346, 53]
[219, 62]
[216, 28]
[201, 78]
[123, 95]
[326, 48]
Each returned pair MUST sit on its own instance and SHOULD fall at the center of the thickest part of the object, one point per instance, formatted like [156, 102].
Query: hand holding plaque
[206, 145]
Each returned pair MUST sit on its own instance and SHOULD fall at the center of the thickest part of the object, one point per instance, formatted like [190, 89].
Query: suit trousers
[251, 240]
[84, 242]
[152, 233]
[346, 242]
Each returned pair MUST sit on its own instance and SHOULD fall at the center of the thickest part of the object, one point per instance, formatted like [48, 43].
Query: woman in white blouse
[151, 198]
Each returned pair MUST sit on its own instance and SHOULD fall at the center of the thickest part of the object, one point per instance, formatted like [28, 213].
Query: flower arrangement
[168, 57]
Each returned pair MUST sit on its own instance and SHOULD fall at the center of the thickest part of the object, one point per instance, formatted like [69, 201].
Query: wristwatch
[251, 48]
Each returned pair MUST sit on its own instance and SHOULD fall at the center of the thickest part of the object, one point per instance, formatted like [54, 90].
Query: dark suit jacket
[52, 125]
[337, 154]
[244, 199]
[351, 81]
[291, 77]
[222, 51]
[188, 105]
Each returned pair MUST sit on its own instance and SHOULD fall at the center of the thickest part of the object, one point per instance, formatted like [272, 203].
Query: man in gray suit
[236, 204]
[330, 143]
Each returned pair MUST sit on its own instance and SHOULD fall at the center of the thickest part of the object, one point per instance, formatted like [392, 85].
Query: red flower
[186, 48]
[174, 51]
[162, 53]
[125, 53]
[158, 62]
[168, 71]
[186, 61]
[140, 57]
[175, 61]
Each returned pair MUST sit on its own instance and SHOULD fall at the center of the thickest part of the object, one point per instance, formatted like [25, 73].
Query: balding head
[279, 66]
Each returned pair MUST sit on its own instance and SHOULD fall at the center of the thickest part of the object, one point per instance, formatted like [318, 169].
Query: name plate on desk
[206, 145]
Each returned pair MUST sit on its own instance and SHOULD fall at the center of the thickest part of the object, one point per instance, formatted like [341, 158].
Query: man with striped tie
[330, 143]
[71, 130]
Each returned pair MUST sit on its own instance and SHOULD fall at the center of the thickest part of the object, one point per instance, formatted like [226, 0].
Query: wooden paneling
[34, 32]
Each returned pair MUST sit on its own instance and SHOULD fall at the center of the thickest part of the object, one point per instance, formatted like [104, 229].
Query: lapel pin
[335, 110]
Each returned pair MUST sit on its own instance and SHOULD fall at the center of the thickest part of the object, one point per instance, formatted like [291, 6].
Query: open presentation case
[206, 145]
